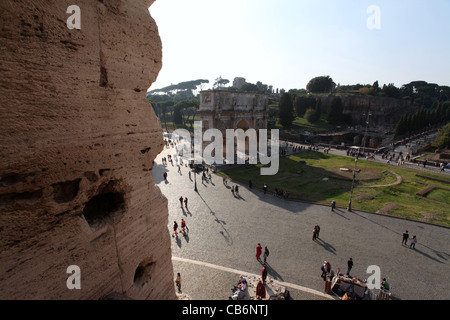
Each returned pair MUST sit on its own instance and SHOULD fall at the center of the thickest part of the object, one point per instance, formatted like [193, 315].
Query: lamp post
[349, 208]
[195, 181]
[365, 133]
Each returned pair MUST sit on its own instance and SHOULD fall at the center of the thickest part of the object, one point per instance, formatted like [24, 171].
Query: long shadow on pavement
[326, 246]
[438, 253]
[271, 271]
[226, 235]
[341, 215]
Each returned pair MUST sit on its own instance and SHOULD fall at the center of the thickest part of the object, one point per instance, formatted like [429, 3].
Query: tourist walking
[413, 242]
[326, 268]
[264, 274]
[184, 226]
[333, 205]
[181, 202]
[165, 176]
[350, 266]
[258, 251]
[178, 282]
[185, 202]
[175, 228]
[266, 254]
[405, 237]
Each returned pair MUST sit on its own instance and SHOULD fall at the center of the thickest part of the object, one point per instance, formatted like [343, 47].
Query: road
[224, 231]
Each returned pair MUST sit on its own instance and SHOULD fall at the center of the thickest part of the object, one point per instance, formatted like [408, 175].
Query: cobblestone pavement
[224, 230]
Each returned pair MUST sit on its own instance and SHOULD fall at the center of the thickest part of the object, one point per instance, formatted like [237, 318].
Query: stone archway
[243, 124]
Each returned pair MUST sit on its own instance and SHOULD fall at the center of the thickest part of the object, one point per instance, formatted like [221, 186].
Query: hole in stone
[91, 176]
[103, 77]
[99, 209]
[11, 179]
[28, 196]
[144, 151]
[143, 273]
[102, 171]
[65, 191]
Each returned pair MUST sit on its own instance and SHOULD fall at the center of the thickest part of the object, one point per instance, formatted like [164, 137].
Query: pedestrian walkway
[215, 282]
[406, 164]
[224, 231]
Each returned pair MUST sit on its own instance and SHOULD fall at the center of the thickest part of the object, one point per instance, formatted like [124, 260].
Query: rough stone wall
[386, 112]
[77, 144]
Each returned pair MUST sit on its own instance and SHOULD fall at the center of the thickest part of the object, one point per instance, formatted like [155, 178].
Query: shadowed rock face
[75, 186]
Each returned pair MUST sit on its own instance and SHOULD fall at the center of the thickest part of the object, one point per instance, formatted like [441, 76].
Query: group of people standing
[316, 232]
[183, 222]
[185, 200]
[413, 240]
[258, 257]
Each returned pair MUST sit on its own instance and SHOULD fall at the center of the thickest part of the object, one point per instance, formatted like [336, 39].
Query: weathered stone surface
[77, 143]
[385, 111]
[231, 109]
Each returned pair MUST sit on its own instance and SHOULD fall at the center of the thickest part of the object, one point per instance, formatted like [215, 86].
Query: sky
[286, 43]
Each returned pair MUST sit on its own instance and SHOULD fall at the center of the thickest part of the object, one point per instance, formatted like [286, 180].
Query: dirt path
[399, 180]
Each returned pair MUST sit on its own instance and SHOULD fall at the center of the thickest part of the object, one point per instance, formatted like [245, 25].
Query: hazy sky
[285, 43]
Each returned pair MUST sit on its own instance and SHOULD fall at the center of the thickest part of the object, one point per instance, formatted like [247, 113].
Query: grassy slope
[312, 177]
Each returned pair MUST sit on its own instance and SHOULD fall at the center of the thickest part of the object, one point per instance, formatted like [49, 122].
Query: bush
[311, 115]
[443, 139]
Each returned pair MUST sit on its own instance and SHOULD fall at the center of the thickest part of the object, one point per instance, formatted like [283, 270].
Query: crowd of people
[262, 255]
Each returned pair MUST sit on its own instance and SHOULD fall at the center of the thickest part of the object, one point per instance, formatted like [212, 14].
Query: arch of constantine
[223, 110]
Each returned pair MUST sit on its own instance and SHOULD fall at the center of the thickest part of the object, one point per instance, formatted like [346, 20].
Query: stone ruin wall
[386, 112]
[226, 109]
[77, 145]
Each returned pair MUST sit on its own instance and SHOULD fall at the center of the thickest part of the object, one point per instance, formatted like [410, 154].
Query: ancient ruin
[78, 140]
[232, 110]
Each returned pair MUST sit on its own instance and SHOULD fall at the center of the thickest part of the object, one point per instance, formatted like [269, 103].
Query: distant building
[223, 110]
[220, 109]
[238, 82]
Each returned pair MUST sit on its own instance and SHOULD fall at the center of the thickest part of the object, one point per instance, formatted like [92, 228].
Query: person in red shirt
[258, 251]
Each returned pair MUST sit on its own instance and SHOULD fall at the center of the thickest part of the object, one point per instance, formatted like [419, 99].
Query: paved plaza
[224, 231]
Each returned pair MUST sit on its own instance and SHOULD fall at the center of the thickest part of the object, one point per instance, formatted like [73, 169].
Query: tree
[443, 139]
[323, 84]
[311, 115]
[286, 110]
[185, 88]
[219, 82]
[390, 91]
[249, 87]
[318, 108]
[335, 110]
[177, 115]
[303, 103]
[376, 86]
[367, 91]
[402, 126]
